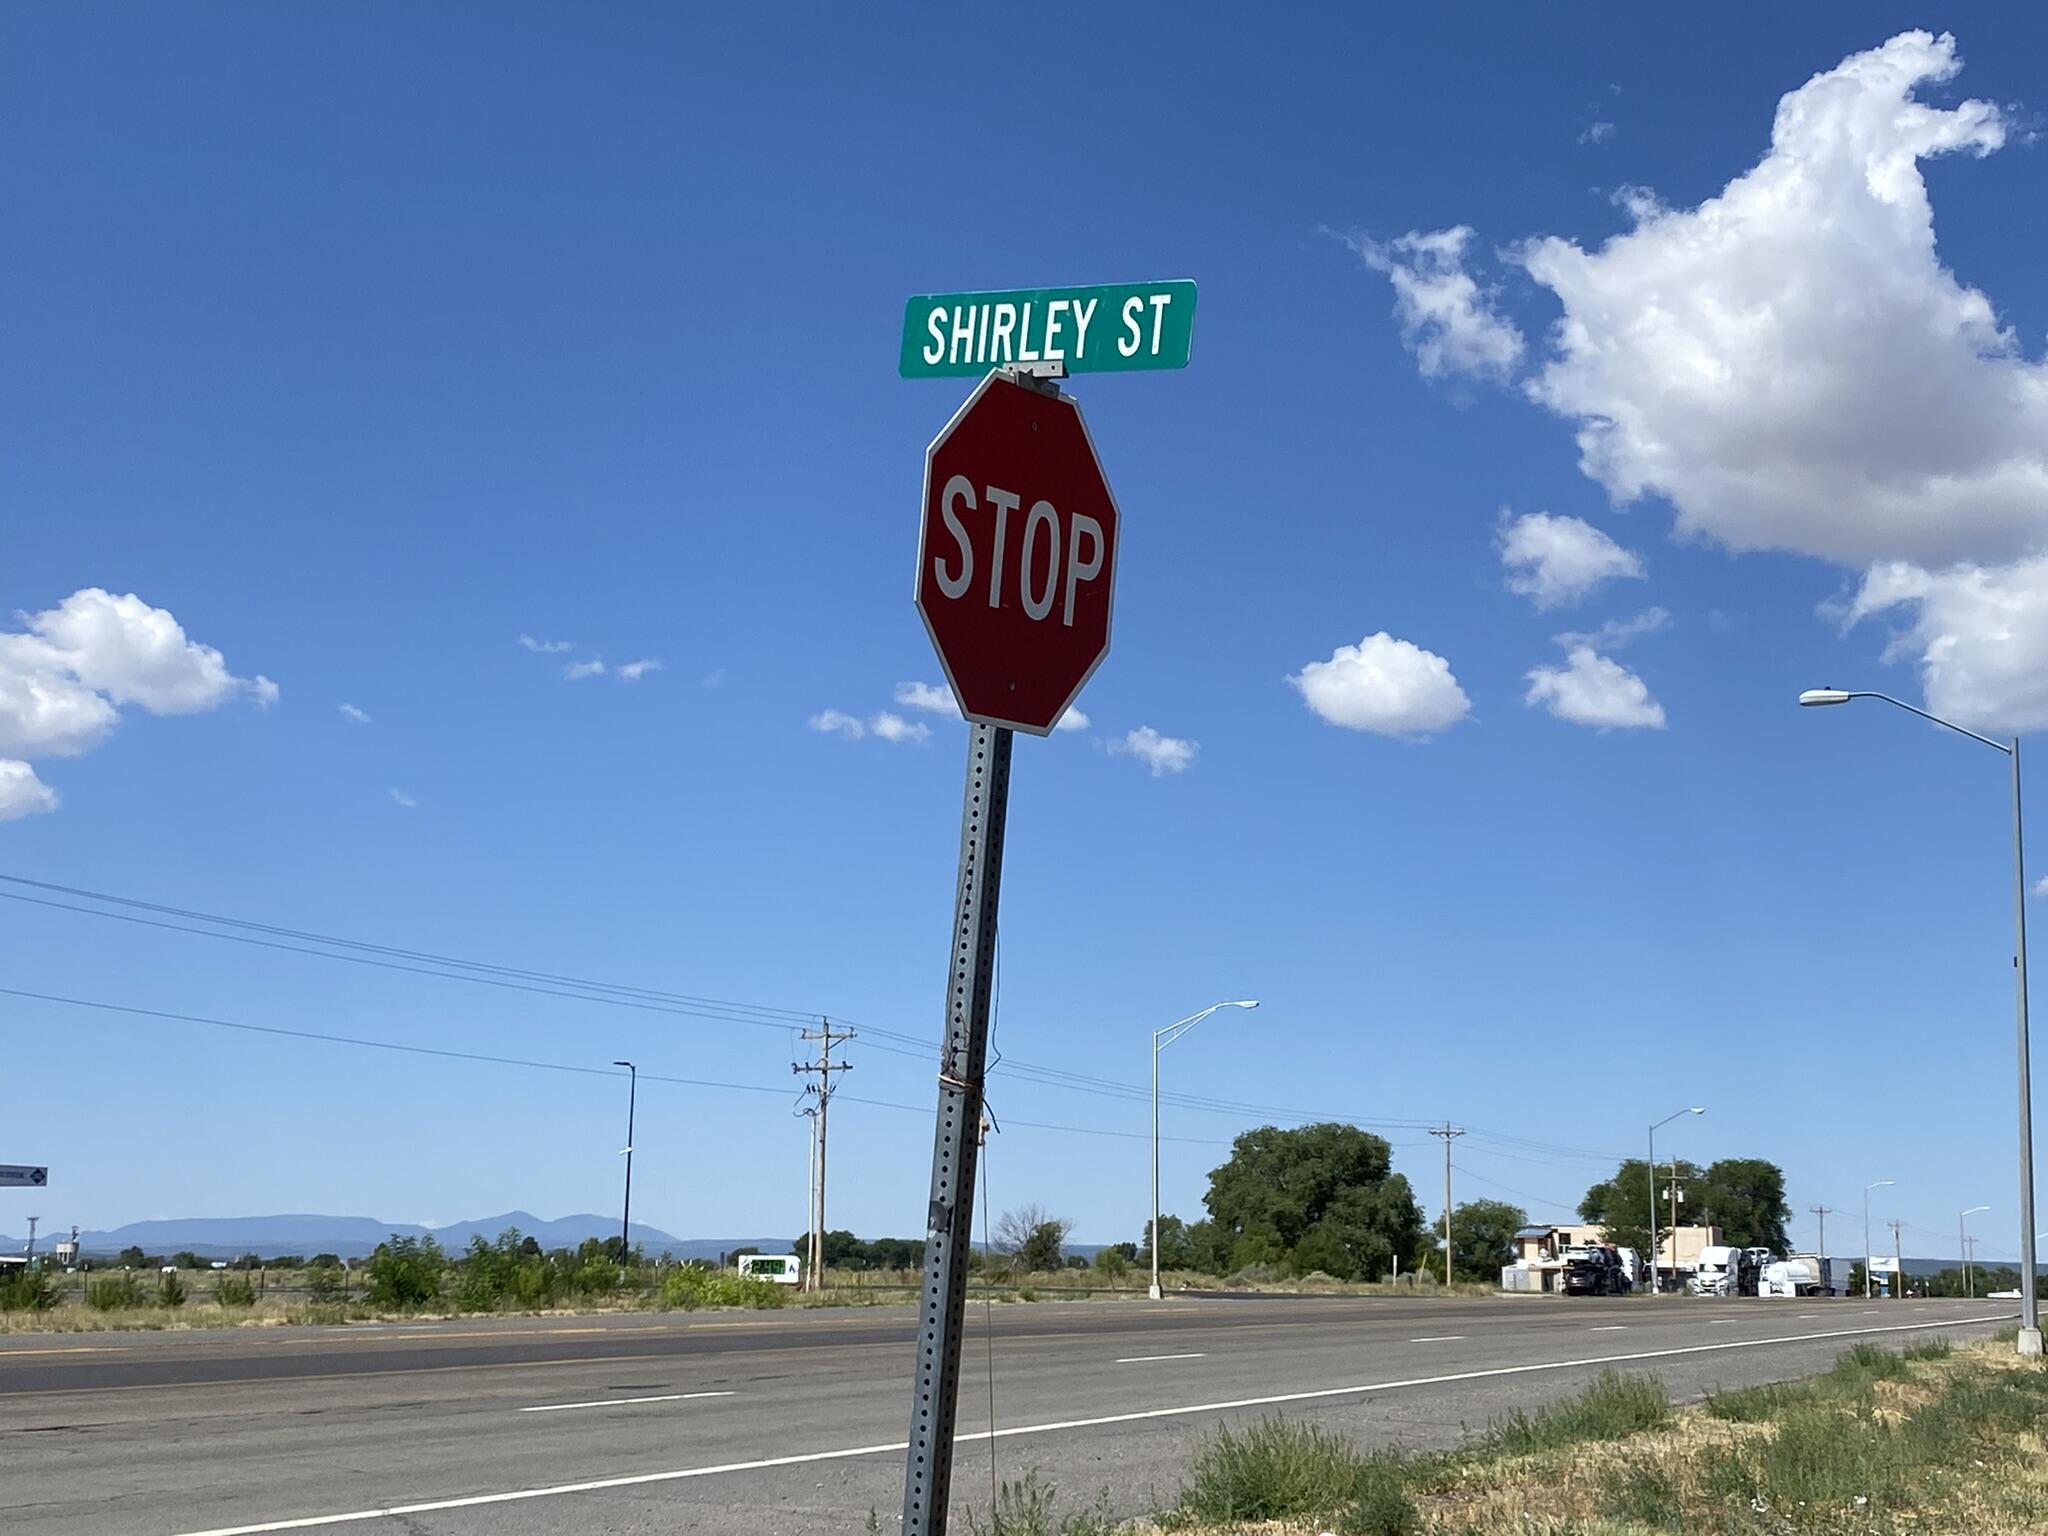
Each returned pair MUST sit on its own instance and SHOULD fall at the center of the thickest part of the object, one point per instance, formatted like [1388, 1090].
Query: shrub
[170, 1290]
[405, 1272]
[27, 1290]
[1930, 1349]
[116, 1294]
[1380, 1505]
[1613, 1407]
[1277, 1469]
[691, 1287]
[235, 1291]
[323, 1282]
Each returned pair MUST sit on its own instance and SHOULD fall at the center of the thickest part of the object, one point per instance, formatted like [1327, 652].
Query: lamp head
[626, 1064]
[1813, 698]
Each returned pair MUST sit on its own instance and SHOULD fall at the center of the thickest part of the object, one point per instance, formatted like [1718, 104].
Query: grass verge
[1939, 1438]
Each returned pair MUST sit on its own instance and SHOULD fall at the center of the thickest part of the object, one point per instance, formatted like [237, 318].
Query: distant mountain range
[352, 1237]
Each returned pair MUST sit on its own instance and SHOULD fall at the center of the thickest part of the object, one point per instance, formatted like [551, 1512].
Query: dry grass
[1937, 1442]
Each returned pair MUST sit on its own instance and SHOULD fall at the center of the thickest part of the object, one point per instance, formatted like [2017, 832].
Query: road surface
[793, 1422]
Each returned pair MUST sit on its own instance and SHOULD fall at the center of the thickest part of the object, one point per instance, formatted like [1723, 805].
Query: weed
[1273, 1470]
[1930, 1349]
[235, 1291]
[1380, 1505]
[1639, 1489]
[1612, 1407]
[1755, 1405]
[1025, 1508]
[1865, 1361]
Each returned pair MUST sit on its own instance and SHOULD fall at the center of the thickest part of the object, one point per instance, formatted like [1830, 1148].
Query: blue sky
[366, 340]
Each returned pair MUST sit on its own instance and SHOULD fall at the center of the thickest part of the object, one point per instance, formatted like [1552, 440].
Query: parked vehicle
[1631, 1266]
[1749, 1271]
[1594, 1270]
[1800, 1275]
[1718, 1272]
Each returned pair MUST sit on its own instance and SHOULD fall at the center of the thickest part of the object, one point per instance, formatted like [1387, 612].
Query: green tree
[1175, 1251]
[325, 1261]
[405, 1272]
[185, 1258]
[1745, 1198]
[133, 1258]
[1322, 1197]
[1621, 1203]
[1483, 1237]
[1114, 1261]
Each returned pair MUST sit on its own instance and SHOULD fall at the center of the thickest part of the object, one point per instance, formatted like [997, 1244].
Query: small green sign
[1104, 329]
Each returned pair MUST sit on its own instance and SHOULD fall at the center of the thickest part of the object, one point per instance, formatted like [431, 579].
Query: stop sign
[1016, 555]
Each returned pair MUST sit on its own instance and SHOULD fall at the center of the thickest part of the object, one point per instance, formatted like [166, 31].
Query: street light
[1880, 1184]
[1963, 1232]
[2029, 1342]
[1675, 1114]
[1161, 1038]
[626, 1216]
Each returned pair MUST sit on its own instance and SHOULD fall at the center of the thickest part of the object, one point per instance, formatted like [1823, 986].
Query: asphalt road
[792, 1422]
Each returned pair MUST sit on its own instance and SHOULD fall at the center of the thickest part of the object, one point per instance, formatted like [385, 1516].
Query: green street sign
[1105, 329]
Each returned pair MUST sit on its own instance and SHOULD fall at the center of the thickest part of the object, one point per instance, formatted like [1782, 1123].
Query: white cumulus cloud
[633, 671]
[1980, 634]
[883, 725]
[1555, 560]
[66, 670]
[1591, 689]
[1162, 754]
[1447, 320]
[1792, 367]
[355, 716]
[1072, 720]
[400, 798]
[889, 727]
[547, 647]
[1387, 686]
[22, 793]
[576, 671]
[929, 697]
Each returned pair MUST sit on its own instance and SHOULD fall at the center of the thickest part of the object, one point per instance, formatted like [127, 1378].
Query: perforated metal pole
[949, 1223]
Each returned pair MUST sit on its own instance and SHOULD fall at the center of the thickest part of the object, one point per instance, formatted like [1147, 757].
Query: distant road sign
[1016, 557]
[1105, 329]
[23, 1176]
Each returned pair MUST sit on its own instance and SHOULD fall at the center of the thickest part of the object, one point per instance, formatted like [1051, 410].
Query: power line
[165, 1015]
[614, 994]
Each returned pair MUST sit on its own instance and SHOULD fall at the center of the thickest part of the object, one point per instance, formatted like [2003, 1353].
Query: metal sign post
[949, 1222]
[1016, 572]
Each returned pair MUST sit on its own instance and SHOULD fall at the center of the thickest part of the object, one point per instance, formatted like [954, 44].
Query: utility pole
[826, 1036]
[1820, 1213]
[1898, 1264]
[1674, 1192]
[626, 1208]
[1449, 1133]
[31, 1254]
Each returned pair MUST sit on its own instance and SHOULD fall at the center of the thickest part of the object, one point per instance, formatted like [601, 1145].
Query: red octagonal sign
[1016, 556]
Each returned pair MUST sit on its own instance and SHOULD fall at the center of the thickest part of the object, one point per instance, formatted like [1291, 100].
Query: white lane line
[620, 1402]
[1142, 1359]
[1437, 1338]
[1608, 1328]
[810, 1458]
[1807, 1316]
